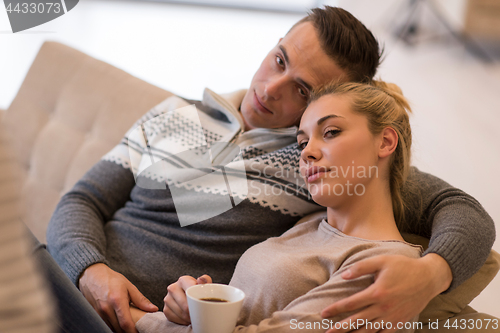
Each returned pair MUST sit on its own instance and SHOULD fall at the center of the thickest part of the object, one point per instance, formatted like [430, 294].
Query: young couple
[116, 234]
[288, 280]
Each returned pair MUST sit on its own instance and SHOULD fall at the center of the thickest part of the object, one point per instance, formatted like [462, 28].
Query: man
[117, 236]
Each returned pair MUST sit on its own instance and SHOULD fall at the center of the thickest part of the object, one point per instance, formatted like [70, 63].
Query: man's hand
[110, 294]
[403, 287]
[176, 308]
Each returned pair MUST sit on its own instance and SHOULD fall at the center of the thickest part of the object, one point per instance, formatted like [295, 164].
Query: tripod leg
[468, 42]
[409, 29]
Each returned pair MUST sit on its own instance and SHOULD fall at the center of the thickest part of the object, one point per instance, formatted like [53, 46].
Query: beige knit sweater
[288, 280]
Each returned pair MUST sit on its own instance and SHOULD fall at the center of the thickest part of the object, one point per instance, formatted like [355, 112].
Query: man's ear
[280, 40]
[389, 142]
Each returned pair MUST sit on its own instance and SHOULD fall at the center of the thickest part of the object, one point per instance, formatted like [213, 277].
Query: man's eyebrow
[327, 117]
[285, 55]
[287, 60]
[299, 132]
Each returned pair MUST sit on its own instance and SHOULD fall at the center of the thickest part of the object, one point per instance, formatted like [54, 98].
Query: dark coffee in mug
[213, 299]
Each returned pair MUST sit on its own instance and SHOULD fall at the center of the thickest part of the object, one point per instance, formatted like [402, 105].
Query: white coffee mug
[214, 316]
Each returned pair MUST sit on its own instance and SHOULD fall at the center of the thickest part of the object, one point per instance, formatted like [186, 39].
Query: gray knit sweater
[123, 211]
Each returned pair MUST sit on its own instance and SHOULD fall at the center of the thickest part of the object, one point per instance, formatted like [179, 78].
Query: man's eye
[332, 133]
[302, 145]
[280, 61]
[302, 92]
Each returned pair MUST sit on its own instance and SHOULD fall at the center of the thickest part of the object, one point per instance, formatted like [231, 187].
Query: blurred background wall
[184, 47]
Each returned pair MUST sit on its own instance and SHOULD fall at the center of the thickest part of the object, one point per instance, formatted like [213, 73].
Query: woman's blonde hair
[384, 106]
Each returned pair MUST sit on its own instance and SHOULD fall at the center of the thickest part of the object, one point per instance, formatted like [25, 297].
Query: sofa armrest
[475, 322]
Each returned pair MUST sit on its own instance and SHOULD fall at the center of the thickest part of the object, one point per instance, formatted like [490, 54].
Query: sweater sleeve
[75, 234]
[453, 220]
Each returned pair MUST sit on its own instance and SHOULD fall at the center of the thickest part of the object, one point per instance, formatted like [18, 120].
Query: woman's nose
[310, 153]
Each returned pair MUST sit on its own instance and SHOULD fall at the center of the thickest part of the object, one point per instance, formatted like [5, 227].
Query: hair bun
[394, 91]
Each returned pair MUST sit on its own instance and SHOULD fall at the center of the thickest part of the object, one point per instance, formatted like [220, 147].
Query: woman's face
[339, 154]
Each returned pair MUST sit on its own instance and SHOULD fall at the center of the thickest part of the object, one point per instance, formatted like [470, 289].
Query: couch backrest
[70, 110]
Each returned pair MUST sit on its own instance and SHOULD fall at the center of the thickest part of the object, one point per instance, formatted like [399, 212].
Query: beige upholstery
[10, 178]
[70, 110]
[465, 320]
[26, 304]
[447, 305]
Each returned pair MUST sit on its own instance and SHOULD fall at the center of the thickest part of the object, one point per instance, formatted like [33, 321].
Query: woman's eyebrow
[322, 119]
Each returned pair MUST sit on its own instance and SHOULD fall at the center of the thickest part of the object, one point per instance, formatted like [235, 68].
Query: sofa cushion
[11, 178]
[467, 321]
[447, 305]
[70, 110]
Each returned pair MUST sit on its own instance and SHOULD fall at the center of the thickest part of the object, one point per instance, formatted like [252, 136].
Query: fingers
[139, 300]
[110, 294]
[121, 306]
[186, 282]
[204, 279]
[122, 310]
[176, 306]
[175, 303]
[351, 303]
[174, 313]
[107, 313]
[363, 267]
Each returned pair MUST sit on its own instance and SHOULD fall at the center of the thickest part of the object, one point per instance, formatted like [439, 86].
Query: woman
[355, 140]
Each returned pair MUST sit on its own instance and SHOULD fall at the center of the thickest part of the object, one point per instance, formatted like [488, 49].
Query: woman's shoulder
[367, 248]
[304, 226]
[400, 247]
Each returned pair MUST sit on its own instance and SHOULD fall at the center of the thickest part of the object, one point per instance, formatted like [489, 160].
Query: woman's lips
[259, 105]
[315, 176]
[313, 173]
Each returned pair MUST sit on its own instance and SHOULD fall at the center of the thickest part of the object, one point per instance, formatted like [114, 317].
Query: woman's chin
[326, 200]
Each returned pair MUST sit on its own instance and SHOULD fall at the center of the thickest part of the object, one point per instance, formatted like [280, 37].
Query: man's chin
[250, 124]
[249, 118]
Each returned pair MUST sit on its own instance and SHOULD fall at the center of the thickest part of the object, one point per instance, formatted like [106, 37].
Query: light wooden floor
[456, 98]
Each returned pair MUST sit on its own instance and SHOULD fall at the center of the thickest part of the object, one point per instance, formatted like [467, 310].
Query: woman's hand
[403, 287]
[176, 307]
[136, 313]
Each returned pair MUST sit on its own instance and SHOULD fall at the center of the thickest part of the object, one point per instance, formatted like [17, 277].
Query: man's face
[281, 86]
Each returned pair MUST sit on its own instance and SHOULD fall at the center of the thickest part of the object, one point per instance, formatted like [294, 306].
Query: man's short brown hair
[347, 41]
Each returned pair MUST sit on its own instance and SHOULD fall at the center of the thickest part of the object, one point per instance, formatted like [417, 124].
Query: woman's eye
[332, 133]
[302, 145]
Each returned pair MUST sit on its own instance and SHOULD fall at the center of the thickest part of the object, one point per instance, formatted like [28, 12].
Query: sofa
[72, 109]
